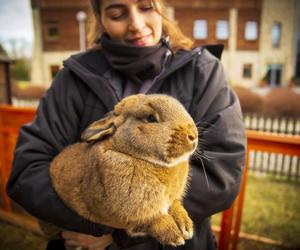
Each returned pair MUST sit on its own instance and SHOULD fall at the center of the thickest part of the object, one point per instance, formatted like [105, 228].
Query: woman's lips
[140, 41]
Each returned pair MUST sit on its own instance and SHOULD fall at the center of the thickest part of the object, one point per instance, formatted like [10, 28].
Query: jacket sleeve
[217, 165]
[55, 126]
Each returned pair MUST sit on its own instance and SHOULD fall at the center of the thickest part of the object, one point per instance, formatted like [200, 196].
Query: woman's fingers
[87, 241]
[101, 242]
[72, 243]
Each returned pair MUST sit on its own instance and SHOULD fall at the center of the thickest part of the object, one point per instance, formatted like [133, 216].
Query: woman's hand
[86, 241]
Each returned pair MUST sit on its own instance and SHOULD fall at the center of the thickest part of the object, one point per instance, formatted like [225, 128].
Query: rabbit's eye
[151, 119]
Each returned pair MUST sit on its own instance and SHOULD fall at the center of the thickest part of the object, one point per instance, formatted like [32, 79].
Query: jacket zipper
[169, 72]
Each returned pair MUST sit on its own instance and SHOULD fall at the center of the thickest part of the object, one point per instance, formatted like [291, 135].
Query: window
[276, 34]
[51, 30]
[251, 30]
[53, 33]
[222, 31]
[200, 29]
[247, 71]
[274, 74]
[54, 70]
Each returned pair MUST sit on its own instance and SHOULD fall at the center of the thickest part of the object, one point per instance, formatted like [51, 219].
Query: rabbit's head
[155, 128]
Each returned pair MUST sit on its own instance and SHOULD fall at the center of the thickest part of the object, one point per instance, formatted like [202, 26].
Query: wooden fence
[25, 103]
[276, 164]
[12, 118]
[275, 124]
[257, 141]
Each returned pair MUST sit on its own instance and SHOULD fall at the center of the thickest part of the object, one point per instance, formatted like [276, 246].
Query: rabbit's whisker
[203, 167]
[203, 155]
[202, 142]
[204, 123]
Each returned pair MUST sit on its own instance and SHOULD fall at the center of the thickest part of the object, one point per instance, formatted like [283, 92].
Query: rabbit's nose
[191, 133]
[192, 137]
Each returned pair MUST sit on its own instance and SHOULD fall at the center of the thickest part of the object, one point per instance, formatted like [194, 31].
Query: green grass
[272, 210]
[16, 238]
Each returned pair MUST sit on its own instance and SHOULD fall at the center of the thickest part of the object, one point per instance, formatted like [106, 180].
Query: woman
[132, 55]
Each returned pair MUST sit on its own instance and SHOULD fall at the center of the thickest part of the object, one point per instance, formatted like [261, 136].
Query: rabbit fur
[131, 169]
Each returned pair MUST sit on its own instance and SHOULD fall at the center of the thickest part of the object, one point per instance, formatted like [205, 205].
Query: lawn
[272, 210]
[16, 238]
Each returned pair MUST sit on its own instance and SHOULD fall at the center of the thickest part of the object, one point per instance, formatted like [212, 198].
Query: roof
[3, 56]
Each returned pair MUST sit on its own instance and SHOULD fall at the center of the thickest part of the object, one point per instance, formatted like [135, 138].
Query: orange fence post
[232, 217]
[239, 204]
[225, 232]
[11, 119]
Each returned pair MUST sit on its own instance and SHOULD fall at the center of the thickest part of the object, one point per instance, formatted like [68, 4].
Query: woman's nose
[136, 22]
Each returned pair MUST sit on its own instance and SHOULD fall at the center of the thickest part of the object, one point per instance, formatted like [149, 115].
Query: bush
[20, 70]
[250, 101]
[282, 102]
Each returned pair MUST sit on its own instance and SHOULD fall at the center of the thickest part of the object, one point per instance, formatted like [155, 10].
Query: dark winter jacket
[87, 88]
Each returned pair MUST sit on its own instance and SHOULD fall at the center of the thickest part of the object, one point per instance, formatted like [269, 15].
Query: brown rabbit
[131, 169]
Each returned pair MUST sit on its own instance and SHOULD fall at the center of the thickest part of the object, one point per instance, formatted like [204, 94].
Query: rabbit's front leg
[182, 219]
[166, 231]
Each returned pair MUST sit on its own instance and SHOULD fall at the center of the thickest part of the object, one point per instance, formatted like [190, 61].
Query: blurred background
[261, 58]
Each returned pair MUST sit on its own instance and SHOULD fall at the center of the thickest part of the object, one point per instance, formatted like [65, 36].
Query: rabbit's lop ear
[99, 129]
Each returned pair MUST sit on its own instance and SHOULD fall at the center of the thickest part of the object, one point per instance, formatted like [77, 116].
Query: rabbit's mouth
[163, 162]
[171, 162]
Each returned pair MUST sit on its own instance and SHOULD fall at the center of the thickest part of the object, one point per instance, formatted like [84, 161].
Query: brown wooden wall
[64, 3]
[245, 15]
[186, 18]
[61, 15]
[211, 4]
[215, 4]
[66, 23]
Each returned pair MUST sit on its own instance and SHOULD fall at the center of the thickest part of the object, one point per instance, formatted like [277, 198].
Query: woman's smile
[139, 41]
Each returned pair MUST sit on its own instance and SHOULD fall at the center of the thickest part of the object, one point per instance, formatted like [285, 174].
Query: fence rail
[277, 164]
[275, 124]
[25, 103]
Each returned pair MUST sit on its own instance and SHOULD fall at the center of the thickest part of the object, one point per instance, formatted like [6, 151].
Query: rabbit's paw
[182, 219]
[165, 230]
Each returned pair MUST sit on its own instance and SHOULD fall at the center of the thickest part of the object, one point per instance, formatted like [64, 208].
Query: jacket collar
[91, 67]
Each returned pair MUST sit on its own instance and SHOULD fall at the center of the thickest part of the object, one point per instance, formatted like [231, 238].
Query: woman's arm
[55, 126]
[218, 167]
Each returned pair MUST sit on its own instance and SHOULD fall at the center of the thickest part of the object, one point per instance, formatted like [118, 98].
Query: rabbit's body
[119, 202]
[131, 180]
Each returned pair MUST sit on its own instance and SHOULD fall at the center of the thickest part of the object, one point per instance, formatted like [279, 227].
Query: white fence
[279, 165]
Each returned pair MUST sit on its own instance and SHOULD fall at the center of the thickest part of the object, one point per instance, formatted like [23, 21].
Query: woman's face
[134, 22]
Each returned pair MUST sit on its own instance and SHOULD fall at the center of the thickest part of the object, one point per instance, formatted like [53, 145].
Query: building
[57, 36]
[260, 36]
